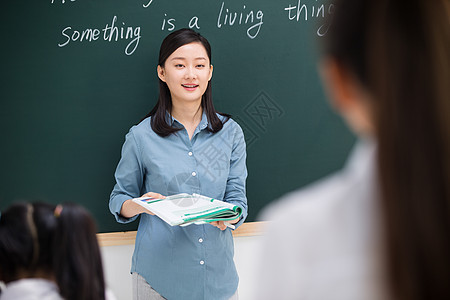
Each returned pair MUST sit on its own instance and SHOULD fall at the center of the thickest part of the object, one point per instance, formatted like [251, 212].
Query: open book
[184, 209]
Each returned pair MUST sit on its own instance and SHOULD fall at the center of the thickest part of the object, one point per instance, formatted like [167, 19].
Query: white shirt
[37, 289]
[31, 289]
[323, 241]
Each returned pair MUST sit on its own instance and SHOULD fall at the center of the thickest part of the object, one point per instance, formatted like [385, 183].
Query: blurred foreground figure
[380, 228]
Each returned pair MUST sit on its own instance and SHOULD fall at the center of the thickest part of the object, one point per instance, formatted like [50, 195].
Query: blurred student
[380, 228]
[50, 252]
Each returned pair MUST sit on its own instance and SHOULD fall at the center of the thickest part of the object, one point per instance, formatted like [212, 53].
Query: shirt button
[194, 174]
[190, 153]
[200, 240]
[202, 262]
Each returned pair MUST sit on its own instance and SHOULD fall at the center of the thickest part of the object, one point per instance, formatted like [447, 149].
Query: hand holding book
[185, 209]
[151, 195]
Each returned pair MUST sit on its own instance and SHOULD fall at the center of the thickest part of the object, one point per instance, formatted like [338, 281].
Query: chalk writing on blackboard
[169, 22]
[226, 17]
[230, 18]
[64, 1]
[193, 23]
[245, 18]
[148, 4]
[111, 32]
[295, 13]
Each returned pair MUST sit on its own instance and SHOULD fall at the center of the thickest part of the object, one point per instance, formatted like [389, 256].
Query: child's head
[57, 243]
[78, 264]
[26, 239]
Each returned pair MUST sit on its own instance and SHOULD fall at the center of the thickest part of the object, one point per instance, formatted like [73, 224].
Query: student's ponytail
[77, 258]
[410, 52]
[400, 52]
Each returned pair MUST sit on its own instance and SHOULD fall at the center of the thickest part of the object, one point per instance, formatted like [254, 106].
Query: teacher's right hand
[154, 195]
[130, 209]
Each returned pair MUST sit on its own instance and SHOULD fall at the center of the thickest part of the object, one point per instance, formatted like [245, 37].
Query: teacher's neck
[189, 114]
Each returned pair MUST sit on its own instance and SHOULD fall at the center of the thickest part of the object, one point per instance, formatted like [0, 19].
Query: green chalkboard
[77, 74]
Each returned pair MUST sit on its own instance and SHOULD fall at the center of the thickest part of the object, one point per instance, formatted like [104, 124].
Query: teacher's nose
[190, 73]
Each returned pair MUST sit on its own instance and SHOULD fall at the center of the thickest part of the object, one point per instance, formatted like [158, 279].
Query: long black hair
[26, 240]
[78, 264]
[159, 121]
[58, 241]
[401, 55]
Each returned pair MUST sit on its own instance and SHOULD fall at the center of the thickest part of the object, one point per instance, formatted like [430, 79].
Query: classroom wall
[117, 265]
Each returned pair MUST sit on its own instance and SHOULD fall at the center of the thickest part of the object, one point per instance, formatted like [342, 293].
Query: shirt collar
[202, 125]
[203, 122]
[362, 157]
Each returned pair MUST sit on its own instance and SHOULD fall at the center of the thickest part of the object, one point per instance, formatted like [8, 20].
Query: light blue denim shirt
[196, 261]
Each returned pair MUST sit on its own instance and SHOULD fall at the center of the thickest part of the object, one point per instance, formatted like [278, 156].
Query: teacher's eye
[200, 66]
[179, 66]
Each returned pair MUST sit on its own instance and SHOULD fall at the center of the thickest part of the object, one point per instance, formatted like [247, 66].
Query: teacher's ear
[161, 73]
[347, 96]
[210, 72]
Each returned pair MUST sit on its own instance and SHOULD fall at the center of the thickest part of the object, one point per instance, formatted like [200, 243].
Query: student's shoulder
[31, 288]
[303, 213]
[310, 203]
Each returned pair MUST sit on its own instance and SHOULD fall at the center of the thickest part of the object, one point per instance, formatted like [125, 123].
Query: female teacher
[182, 146]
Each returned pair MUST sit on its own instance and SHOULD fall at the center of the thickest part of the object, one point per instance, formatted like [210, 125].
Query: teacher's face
[187, 72]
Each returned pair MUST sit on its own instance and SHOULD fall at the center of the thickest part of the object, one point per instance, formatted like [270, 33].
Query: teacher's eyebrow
[184, 58]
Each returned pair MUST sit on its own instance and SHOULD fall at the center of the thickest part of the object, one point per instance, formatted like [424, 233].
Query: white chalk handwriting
[229, 17]
[63, 1]
[148, 4]
[111, 33]
[246, 19]
[295, 13]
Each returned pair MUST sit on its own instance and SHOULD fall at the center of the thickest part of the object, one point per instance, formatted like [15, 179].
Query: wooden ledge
[128, 237]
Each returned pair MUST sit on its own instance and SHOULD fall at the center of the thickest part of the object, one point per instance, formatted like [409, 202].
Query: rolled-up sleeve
[129, 178]
[235, 189]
